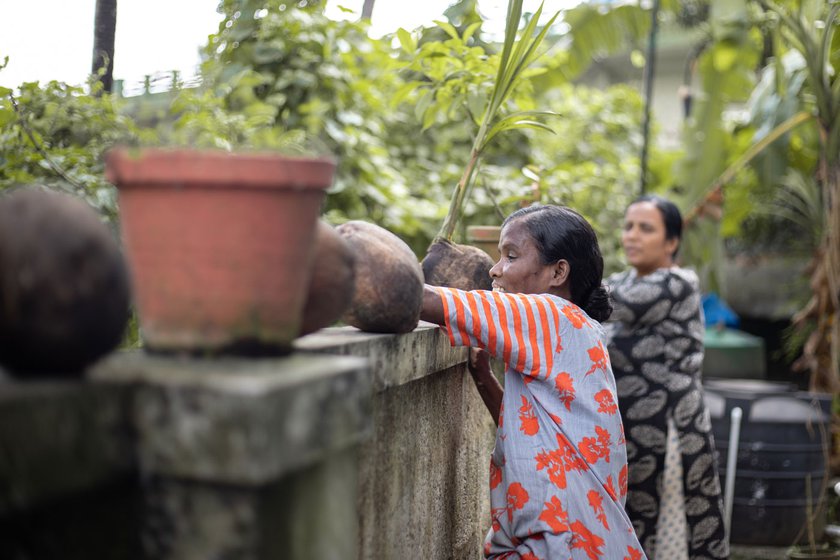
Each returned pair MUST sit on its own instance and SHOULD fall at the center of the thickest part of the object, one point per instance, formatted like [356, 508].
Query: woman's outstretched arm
[488, 386]
[479, 363]
[432, 310]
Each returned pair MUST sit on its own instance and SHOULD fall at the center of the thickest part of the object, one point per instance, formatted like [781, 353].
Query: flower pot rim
[484, 233]
[495, 228]
[131, 167]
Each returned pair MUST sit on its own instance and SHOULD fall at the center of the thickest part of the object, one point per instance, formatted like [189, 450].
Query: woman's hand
[479, 363]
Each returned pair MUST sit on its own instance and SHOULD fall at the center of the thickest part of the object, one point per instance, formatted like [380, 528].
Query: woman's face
[520, 269]
[643, 238]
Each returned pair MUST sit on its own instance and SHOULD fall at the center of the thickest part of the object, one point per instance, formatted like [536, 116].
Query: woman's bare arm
[488, 386]
[432, 310]
[479, 363]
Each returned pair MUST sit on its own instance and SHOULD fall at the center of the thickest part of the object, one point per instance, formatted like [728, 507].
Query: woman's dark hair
[561, 233]
[670, 216]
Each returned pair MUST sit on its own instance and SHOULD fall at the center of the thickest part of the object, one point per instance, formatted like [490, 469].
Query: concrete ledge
[394, 359]
[241, 421]
[59, 438]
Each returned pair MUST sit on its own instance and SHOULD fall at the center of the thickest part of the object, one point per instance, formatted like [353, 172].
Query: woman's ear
[560, 273]
[671, 246]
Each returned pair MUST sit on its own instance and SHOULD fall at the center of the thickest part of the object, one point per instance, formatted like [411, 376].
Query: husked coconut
[332, 281]
[64, 291]
[389, 281]
[457, 266]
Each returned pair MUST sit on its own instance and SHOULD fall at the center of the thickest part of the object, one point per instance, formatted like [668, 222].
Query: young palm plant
[450, 264]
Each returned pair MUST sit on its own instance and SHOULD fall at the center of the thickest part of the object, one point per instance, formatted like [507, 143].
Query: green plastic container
[732, 353]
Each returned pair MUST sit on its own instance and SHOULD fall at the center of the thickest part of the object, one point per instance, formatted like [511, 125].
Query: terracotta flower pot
[485, 238]
[219, 245]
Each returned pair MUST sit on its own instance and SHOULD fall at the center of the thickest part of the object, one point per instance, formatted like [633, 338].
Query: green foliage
[511, 70]
[785, 89]
[296, 70]
[595, 32]
[592, 162]
[401, 115]
[452, 77]
[55, 135]
[726, 71]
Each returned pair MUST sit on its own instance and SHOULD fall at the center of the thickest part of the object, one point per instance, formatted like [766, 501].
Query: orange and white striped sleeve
[522, 330]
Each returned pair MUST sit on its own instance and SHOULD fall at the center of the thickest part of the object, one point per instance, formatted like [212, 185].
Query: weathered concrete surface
[424, 486]
[379, 453]
[67, 472]
[236, 421]
[59, 438]
[394, 360]
[424, 474]
[311, 513]
[247, 459]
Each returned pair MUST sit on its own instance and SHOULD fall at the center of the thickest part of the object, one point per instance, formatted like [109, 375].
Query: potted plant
[449, 264]
[218, 244]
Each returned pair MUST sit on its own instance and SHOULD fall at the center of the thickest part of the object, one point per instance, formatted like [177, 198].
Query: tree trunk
[821, 353]
[104, 31]
[367, 9]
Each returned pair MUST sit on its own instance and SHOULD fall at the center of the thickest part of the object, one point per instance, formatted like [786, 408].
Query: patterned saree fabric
[656, 349]
[558, 473]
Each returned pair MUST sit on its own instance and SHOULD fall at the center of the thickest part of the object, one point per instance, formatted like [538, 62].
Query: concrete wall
[355, 446]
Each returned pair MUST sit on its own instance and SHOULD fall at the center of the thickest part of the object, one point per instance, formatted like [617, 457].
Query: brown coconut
[332, 281]
[457, 266]
[64, 292]
[389, 281]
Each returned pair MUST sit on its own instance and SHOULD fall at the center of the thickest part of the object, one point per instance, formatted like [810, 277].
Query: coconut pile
[64, 284]
[367, 277]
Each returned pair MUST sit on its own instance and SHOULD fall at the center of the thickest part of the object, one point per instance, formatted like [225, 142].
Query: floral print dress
[558, 473]
[656, 348]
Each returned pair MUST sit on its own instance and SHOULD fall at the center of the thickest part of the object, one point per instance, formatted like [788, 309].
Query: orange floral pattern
[555, 516]
[596, 501]
[575, 315]
[606, 401]
[633, 554]
[600, 359]
[596, 448]
[495, 475]
[567, 494]
[586, 540]
[566, 387]
[517, 497]
[528, 419]
[560, 461]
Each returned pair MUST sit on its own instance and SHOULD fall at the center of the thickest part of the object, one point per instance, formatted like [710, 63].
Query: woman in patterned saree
[558, 472]
[656, 348]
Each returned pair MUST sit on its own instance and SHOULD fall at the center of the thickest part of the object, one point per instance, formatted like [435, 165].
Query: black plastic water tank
[781, 460]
